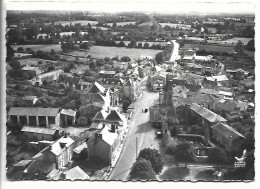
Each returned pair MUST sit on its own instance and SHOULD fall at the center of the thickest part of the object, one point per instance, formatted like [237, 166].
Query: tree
[115, 58]
[132, 44]
[249, 142]
[126, 103]
[29, 50]
[121, 44]
[250, 159]
[93, 65]
[142, 170]
[153, 156]
[160, 57]
[32, 31]
[140, 45]
[239, 46]
[251, 45]
[181, 34]
[45, 83]
[171, 146]
[71, 66]
[20, 49]
[84, 46]
[87, 73]
[217, 155]
[125, 59]
[67, 69]
[51, 68]
[169, 70]
[114, 25]
[10, 52]
[146, 45]
[195, 129]
[183, 153]
[67, 46]
[15, 65]
[174, 131]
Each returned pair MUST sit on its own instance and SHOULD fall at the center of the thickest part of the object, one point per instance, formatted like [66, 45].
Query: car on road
[158, 134]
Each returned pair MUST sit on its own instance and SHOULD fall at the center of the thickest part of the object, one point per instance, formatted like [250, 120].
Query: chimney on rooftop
[63, 176]
[113, 128]
[98, 135]
[62, 145]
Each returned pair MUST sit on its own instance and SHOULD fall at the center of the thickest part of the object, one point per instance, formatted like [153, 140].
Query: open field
[121, 23]
[236, 39]
[45, 48]
[172, 25]
[34, 61]
[102, 52]
[101, 28]
[209, 48]
[73, 22]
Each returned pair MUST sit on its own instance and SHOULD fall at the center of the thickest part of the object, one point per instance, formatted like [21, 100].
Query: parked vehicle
[158, 134]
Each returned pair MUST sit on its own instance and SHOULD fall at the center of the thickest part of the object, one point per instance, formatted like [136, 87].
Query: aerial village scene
[130, 96]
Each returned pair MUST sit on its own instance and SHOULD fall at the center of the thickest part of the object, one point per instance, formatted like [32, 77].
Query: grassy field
[213, 48]
[121, 23]
[236, 39]
[102, 52]
[34, 61]
[45, 48]
[172, 25]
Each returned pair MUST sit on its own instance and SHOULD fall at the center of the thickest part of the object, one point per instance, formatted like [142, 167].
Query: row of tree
[132, 44]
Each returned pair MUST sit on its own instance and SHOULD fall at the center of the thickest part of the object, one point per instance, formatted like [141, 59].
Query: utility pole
[136, 146]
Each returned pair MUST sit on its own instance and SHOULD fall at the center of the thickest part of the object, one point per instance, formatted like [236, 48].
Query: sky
[114, 6]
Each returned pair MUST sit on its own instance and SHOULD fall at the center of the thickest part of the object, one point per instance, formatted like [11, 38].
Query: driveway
[140, 135]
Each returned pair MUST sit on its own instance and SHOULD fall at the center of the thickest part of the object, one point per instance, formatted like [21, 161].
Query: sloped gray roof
[40, 130]
[31, 111]
[206, 113]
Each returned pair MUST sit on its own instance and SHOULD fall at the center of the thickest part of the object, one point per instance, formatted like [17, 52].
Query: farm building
[30, 100]
[68, 117]
[47, 77]
[40, 133]
[44, 117]
[30, 72]
[226, 136]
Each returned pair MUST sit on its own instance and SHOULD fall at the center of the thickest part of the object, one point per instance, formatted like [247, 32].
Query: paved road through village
[141, 131]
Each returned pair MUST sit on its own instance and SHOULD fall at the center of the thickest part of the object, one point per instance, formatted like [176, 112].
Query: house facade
[104, 144]
[61, 151]
[47, 77]
[96, 93]
[157, 82]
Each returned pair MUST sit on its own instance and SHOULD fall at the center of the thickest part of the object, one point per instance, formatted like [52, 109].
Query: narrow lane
[139, 130]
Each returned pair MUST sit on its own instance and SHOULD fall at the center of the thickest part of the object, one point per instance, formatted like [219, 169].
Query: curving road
[141, 135]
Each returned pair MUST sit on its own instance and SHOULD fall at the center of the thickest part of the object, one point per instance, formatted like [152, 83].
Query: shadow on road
[206, 175]
[175, 173]
[144, 128]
